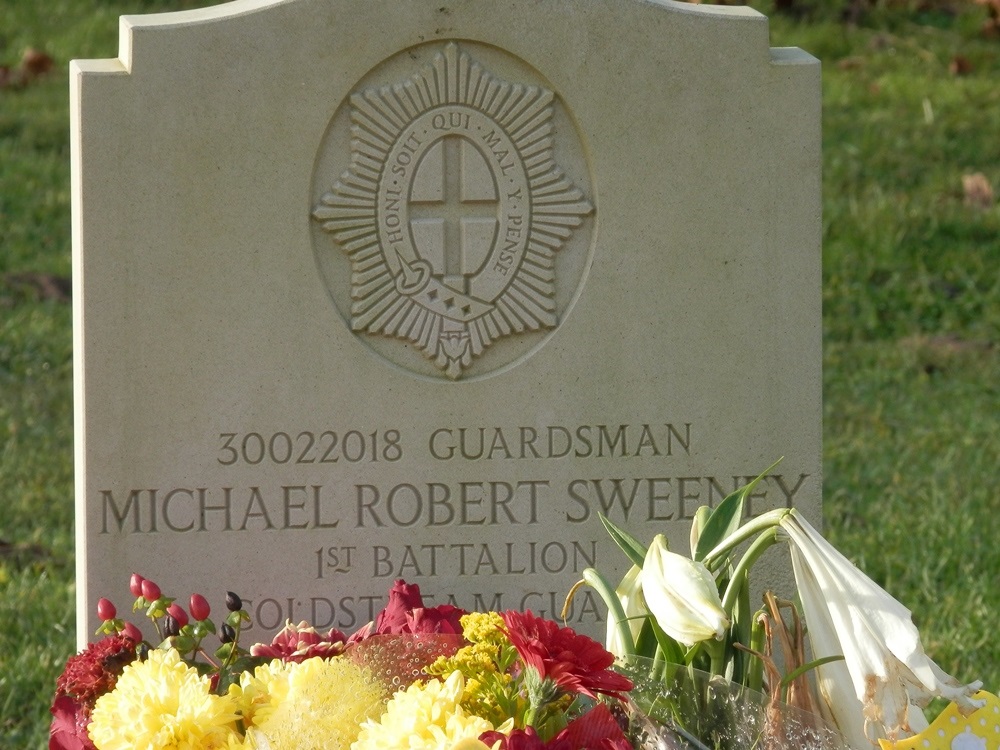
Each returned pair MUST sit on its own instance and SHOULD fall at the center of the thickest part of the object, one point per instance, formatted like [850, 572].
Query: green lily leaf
[645, 644]
[673, 652]
[726, 518]
[634, 549]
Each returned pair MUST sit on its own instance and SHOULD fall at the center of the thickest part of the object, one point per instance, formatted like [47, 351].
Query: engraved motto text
[452, 210]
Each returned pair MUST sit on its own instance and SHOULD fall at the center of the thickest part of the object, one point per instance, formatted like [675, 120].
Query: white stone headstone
[374, 290]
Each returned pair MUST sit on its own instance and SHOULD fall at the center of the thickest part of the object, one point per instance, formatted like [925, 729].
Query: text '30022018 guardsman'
[452, 209]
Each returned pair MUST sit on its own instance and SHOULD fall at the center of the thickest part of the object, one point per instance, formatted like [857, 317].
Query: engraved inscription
[452, 210]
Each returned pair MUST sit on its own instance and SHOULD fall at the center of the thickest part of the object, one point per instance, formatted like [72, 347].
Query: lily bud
[701, 517]
[682, 595]
[629, 593]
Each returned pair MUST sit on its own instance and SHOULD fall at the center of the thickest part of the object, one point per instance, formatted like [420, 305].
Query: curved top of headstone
[368, 289]
[236, 9]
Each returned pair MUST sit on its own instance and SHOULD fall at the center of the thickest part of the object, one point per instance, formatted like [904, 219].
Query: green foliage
[910, 493]
[911, 317]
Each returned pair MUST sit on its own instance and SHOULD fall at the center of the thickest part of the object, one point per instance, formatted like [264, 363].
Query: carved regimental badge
[452, 209]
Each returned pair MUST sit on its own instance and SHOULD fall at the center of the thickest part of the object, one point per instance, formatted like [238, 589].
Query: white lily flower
[629, 593]
[682, 595]
[885, 675]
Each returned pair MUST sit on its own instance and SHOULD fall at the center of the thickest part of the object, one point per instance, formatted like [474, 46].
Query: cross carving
[451, 208]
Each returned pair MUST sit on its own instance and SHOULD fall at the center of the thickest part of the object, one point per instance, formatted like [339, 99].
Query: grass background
[911, 292]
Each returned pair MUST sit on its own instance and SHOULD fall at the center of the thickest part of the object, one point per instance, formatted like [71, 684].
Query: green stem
[796, 673]
[769, 520]
[742, 570]
[596, 581]
[717, 654]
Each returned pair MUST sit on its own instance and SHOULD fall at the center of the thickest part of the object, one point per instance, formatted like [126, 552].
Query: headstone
[375, 290]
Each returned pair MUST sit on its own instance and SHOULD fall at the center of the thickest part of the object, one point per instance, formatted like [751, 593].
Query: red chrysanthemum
[574, 662]
[296, 643]
[94, 671]
[86, 677]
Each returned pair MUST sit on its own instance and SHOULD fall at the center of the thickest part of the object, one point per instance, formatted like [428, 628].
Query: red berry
[199, 607]
[131, 631]
[135, 584]
[177, 612]
[105, 609]
[150, 591]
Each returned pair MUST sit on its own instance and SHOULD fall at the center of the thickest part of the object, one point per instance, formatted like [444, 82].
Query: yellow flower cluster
[487, 681]
[318, 704]
[425, 716]
[161, 703]
[486, 628]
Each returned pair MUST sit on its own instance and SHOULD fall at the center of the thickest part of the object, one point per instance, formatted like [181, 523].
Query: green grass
[911, 293]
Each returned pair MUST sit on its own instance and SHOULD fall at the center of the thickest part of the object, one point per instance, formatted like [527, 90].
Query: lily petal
[849, 614]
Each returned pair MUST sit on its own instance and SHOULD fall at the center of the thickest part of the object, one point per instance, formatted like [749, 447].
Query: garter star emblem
[452, 209]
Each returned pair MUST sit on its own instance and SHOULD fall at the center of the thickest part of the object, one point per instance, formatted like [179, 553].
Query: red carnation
[299, 642]
[574, 662]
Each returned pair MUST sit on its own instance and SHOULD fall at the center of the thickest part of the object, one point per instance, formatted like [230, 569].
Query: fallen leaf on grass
[936, 354]
[34, 65]
[21, 551]
[36, 286]
[978, 191]
[851, 63]
[960, 66]
[991, 26]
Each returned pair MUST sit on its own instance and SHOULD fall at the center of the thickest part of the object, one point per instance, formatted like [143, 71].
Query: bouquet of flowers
[415, 677]
[672, 610]
[689, 665]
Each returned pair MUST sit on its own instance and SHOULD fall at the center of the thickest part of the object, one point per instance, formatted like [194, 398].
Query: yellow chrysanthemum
[318, 703]
[254, 690]
[161, 703]
[425, 716]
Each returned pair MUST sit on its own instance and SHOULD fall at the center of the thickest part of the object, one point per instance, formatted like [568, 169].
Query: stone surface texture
[369, 289]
